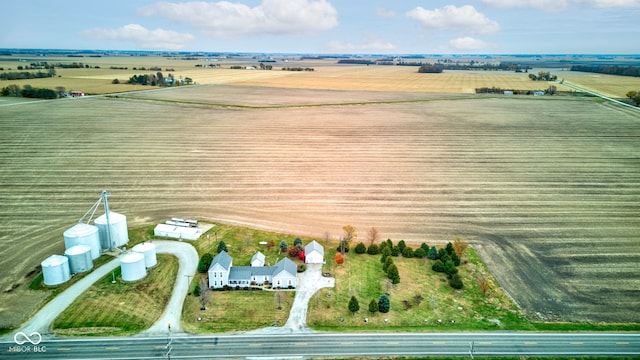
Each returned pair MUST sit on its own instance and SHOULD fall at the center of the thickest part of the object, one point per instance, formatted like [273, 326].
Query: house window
[215, 283]
[289, 282]
[215, 274]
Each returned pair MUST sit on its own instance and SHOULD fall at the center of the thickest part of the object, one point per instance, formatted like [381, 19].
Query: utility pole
[168, 346]
[471, 350]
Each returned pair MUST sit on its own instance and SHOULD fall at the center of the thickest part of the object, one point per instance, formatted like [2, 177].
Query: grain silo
[83, 234]
[55, 270]
[79, 258]
[149, 251]
[132, 266]
[118, 230]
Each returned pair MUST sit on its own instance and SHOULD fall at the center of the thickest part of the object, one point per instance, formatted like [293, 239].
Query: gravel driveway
[309, 282]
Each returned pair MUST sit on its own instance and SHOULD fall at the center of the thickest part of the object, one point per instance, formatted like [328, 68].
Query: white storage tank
[83, 234]
[119, 232]
[149, 251]
[55, 270]
[132, 266]
[79, 258]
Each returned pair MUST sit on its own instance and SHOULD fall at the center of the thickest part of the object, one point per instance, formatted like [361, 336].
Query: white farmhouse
[314, 253]
[222, 273]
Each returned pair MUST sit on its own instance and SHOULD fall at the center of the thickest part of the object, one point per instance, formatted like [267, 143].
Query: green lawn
[422, 301]
[121, 308]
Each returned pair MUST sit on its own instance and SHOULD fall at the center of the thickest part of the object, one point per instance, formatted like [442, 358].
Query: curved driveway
[309, 282]
[188, 259]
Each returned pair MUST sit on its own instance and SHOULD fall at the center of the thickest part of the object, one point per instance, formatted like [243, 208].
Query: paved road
[188, 258]
[334, 345]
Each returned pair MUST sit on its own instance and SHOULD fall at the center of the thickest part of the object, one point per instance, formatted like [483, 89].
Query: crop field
[327, 75]
[546, 190]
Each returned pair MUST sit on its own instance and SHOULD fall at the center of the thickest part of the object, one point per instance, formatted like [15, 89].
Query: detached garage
[314, 253]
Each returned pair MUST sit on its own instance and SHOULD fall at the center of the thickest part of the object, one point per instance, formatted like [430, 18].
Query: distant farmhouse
[223, 274]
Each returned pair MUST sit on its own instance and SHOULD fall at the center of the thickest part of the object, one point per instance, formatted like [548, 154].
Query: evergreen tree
[384, 304]
[449, 248]
[395, 251]
[373, 250]
[354, 306]
[402, 245]
[386, 252]
[438, 266]
[373, 306]
[408, 252]
[204, 263]
[387, 263]
[420, 253]
[456, 282]
[425, 247]
[297, 242]
[283, 246]
[450, 269]
[433, 253]
[221, 247]
[360, 248]
[393, 274]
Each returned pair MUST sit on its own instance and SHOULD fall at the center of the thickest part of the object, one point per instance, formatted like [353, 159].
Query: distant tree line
[608, 69]
[28, 91]
[430, 69]
[543, 76]
[22, 75]
[156, 79]
[297, 69]
[634, 96]
[496, 90]
[356, 62]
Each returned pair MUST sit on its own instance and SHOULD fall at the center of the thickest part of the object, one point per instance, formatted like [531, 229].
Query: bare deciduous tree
[483, 283]
[373, 235]
[205, 294]
[459, 246]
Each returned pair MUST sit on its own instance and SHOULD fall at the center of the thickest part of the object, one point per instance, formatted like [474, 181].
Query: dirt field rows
[548, 191]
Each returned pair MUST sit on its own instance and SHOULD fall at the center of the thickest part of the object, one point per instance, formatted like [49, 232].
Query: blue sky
[328, 26]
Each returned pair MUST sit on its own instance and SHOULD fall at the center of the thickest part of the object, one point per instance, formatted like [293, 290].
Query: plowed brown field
[547, 190]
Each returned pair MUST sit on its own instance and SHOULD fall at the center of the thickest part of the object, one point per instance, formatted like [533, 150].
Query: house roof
[262, 270]
[314, 246]
[285, 265]
[223, 259]
[259, 256]
[240, 273]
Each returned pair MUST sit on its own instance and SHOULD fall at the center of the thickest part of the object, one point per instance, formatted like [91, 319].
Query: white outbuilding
[314, 253]
[177, 232]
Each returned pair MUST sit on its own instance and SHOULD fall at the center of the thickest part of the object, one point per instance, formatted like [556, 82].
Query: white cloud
[385, 13]
[464, 19]
[226, 19]
[609, 3]
[465, 44]
[370, 44]
[555, 5]
[142, 38]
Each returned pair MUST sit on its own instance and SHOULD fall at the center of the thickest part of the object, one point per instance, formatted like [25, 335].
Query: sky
[328, 26]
